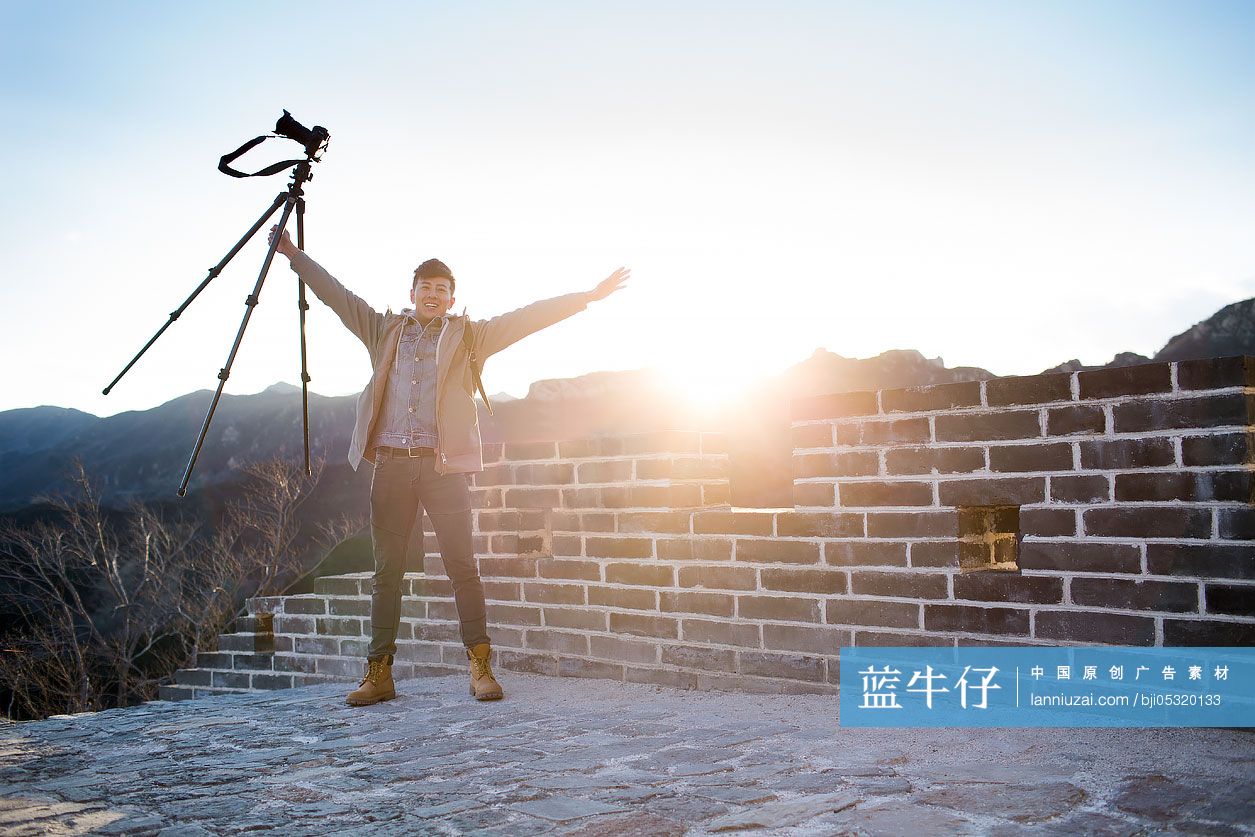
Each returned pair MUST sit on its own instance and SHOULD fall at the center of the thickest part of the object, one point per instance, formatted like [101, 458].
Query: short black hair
[434, 269]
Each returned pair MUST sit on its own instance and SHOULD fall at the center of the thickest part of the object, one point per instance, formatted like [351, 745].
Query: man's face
[431, 297]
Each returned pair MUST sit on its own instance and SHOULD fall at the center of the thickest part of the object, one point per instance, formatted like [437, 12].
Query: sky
[1004, 185]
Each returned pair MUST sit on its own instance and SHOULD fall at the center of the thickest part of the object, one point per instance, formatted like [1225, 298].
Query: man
[418, 426]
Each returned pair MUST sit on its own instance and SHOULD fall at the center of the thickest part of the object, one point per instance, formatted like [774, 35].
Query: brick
[976, 620]
[551, 473]
[574, 617]
[1171, 414]
[1126, 453]
[1018, 458]
[732, 523]
[1092, 626]
[713, 604]
[339, 627]
[1030, 389]
[977, 427]
[677, 496]
[813, 640]
[657, 575]
[663, 441]
[1000, 491]
[1192, 486]
[305, 604]
[577, 448]
[553, 593]
[838, 405]
[790, 666]
[710, 659]
[654, 522]
[1148, 522]
[1231, 599]
[697, 549]
[885, 432]
[640, 625]
[721, 632]
[935, 554]
[850, 464]
[495, 475]
[864, 494]
[575, 667]
[912, 524]
[1217, 449]
[624, 597]
[1080, 488]
[865, 554]
[1214, 633]
[872, 612]
[783, 608]
[505, 614]
[719, 578]
[528, 663]
[814, 494]
[683, 468]
[613, 471]
[339, 586]
[928, 398]
[812, 436]
[716, 494]
[530, 450]
[566, 568]
[661, 677]
[1216, 373]
[597, 547]
[885, 638]
[507, 566]
[231, 679]
[588, 498]
[568, 546]
[493, 451]
[532, 498]
[1073, 421]
[774, 551]
[558, 642]
[905, 585]
[818, 525]
[350, 607]
[317, 645]
[1208, 560]
[803, 581]
[982, 520]
[1129, 594]
[1143, 379]
[1047, 522]
[623, 650]
[948, 460]
[1008, 587]
[435, 632]
[1236, 524]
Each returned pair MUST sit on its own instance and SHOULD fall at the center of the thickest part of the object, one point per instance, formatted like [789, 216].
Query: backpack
[468, 340]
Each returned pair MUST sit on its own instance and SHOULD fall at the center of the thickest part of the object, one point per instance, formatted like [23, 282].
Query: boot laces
[374, 672]
[479, 665]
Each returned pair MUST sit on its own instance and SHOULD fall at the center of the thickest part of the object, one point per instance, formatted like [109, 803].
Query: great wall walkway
[597, 757]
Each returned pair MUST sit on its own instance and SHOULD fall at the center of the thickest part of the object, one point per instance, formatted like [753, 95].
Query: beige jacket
[457, 421]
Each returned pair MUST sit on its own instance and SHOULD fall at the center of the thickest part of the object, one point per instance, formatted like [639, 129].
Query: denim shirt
[408, 417]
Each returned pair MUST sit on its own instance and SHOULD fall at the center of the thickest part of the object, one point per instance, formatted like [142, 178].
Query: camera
[313, 139]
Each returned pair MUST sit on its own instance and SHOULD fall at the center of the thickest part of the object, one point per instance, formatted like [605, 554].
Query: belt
[412, 453]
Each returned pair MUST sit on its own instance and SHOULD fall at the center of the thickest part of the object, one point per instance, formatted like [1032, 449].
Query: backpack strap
[468, 339]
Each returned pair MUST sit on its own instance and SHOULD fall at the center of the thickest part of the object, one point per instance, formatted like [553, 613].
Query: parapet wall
[1105, 507]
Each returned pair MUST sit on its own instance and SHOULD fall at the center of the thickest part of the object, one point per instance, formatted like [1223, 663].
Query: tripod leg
[303, 306]
[250, 302]
[213, 272]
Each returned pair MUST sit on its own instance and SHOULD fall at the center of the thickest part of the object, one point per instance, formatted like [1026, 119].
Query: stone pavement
[589, 757]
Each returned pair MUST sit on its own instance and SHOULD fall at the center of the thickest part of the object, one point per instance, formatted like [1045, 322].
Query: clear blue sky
[1007, 185]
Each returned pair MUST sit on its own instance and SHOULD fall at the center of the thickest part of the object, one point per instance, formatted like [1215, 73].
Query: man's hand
[610, 284]
[286, 247]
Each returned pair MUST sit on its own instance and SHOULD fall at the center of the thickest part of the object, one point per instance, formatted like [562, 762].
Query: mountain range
[141, 455]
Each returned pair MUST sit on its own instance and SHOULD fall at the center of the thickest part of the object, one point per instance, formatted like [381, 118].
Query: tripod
[293, 198]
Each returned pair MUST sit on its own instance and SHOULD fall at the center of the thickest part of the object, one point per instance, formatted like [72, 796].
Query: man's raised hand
[610, 284]
[286, 247]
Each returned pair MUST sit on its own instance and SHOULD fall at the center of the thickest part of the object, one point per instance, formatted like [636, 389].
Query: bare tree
[104, 605]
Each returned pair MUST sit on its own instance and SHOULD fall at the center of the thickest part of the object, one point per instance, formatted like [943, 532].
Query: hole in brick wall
[988, 538]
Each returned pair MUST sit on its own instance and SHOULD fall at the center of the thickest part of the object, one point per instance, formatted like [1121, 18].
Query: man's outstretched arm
[357, 316]
[491, 336]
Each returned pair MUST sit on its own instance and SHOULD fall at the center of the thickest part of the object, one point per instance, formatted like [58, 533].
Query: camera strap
[468, 340]
[224, 162]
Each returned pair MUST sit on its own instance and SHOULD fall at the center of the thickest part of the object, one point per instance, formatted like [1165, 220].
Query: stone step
[248, 642]
[257, 623]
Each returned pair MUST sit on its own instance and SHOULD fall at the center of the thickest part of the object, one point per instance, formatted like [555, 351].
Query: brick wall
[1109, 506]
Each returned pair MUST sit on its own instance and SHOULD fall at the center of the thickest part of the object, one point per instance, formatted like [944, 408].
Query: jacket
[457, 420]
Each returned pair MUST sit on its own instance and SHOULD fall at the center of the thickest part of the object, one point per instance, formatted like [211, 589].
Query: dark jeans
[400, 489]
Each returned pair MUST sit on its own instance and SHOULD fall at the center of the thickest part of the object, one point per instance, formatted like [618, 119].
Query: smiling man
[418, 426]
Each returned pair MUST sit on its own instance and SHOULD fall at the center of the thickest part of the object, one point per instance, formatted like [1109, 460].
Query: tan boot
[377, 685]
[483, 685]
